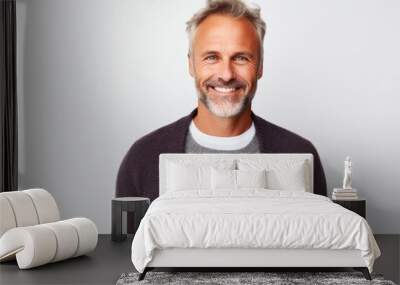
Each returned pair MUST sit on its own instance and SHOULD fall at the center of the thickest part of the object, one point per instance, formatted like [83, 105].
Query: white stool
[31, 231]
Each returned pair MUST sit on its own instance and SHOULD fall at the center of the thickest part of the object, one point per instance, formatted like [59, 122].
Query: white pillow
[223, 179]
[251, 178]
[237, 179]
[193, 174]
[288, 174]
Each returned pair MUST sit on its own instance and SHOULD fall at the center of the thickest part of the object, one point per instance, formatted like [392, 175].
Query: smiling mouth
[224, 90]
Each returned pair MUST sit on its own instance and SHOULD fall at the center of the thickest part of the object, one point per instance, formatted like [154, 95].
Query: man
[226, 60]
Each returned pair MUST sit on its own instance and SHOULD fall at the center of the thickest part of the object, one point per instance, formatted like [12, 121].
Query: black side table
[358, 206]
[137, 205]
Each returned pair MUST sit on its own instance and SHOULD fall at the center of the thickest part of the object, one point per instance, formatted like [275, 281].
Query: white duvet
[251, 218]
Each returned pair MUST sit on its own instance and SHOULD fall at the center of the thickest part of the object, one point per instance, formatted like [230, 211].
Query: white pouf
[31, 233]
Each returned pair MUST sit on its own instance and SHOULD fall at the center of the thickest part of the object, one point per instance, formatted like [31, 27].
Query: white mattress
[252, 218]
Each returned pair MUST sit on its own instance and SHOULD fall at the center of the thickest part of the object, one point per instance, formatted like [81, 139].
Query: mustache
[233, 83]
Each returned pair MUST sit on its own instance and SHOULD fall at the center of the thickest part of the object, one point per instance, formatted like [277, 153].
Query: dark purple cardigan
[138, 173]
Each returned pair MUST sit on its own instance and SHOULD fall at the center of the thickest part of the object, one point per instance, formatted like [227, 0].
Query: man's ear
[260, 70]
[190, 62]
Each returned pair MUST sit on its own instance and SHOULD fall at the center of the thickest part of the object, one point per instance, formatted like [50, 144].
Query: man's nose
[226, 72]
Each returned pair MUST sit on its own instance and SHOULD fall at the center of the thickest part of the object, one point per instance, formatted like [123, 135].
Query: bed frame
[247, 259]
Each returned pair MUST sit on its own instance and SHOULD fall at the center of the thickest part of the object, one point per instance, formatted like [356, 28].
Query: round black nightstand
[358, 206]
[137, 205]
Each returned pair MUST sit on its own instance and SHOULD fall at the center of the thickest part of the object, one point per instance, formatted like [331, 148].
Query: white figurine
[347, 173]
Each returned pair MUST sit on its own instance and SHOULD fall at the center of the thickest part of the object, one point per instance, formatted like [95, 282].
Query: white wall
[96, 75]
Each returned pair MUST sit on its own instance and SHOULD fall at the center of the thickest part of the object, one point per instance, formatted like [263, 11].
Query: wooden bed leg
[143, 274]
[364, 271]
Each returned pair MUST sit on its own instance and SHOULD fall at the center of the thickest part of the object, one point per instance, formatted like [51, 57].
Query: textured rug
[270, 278]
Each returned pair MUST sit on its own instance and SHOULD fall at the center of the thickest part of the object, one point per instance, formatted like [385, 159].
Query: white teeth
[224, 90]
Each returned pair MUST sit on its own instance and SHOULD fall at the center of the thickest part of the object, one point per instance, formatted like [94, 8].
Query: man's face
[225, 62]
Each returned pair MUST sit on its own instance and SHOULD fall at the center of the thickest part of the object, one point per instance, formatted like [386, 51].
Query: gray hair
[234, 8]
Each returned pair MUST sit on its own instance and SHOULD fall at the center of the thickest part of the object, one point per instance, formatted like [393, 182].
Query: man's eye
[241, 58]
[211, 58]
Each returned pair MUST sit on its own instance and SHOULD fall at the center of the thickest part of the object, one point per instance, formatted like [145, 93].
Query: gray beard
[225, 108]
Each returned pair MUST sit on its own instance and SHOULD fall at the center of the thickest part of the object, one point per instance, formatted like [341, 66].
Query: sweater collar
[184, 123]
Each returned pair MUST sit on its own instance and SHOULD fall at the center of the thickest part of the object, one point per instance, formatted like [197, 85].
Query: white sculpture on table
[347, 173]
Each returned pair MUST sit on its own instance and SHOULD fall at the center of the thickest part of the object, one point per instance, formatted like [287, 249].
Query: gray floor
[110, 260]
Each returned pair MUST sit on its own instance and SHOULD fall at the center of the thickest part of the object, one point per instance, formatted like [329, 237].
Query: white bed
[201, 220]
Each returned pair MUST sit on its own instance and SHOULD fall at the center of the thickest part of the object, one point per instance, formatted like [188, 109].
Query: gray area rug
[228, 278]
